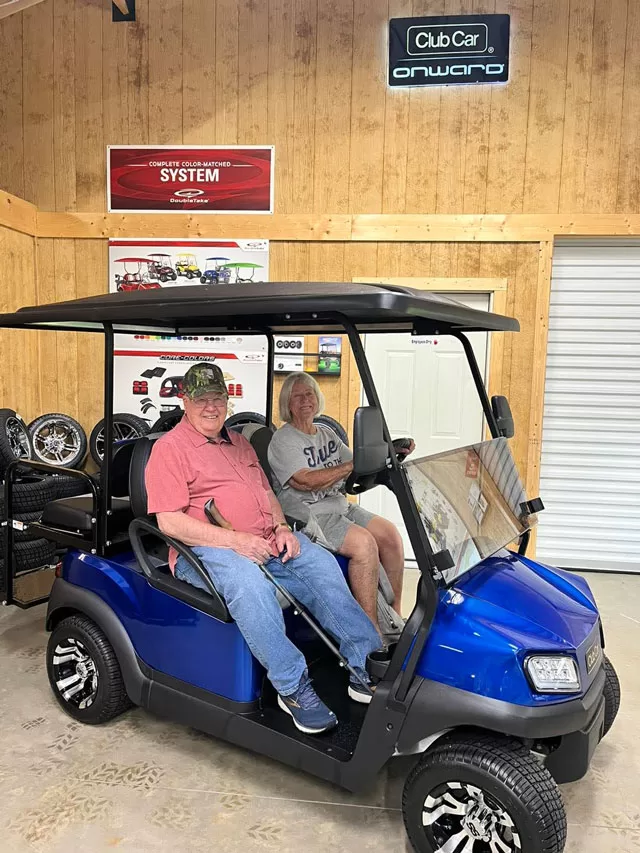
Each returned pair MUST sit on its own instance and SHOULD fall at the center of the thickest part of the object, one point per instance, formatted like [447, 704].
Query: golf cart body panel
[493, 617]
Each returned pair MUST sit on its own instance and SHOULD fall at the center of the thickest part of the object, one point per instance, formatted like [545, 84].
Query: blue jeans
[314, 578]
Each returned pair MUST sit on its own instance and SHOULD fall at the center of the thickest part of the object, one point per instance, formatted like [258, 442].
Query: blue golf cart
[498, 685]
[215, 271]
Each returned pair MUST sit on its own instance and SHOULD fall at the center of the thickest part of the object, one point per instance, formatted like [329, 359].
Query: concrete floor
[142, 784]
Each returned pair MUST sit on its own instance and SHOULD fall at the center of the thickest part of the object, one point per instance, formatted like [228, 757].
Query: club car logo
[448, 49]
[593, 656]
[188, 193]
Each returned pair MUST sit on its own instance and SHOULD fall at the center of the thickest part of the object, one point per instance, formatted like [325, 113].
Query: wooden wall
[309, 77]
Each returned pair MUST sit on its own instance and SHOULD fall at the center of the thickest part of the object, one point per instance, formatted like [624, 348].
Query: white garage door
[590, 470]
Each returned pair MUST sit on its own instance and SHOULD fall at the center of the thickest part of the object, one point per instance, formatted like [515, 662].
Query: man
[198, 460]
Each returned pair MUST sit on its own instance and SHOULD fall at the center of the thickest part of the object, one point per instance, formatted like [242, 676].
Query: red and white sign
[182, 179]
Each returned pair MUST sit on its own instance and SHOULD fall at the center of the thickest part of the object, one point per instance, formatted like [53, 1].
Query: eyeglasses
[203, 402]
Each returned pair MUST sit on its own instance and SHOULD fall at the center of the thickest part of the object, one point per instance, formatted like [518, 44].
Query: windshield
[469, 502]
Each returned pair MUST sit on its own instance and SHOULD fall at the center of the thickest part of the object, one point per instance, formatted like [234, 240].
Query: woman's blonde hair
[287, 388]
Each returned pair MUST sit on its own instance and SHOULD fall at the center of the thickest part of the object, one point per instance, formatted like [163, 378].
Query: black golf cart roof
[274, 306]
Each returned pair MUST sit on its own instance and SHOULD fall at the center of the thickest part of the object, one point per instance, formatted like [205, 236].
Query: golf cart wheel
[611, 695]
[163, 278]
[58, 440]
[30, 494]
[33, 554]
[203, 280]
[478, 793]
[243, 418]
[15, 442]
[124, 426]
[189, 274]
[333, 424]
[65, 486]
[84, 672]
[168, 420]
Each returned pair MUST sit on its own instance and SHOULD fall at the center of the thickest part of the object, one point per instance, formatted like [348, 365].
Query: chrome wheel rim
[75, 673]
[18, 438]
[462, 818]
[56, 442]
[121, 432]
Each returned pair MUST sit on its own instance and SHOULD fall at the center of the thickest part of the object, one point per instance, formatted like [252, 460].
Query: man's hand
[252, 547]
[286, 542]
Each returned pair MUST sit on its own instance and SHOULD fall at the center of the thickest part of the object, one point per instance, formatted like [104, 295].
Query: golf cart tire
[334, 425]
[7, 454]
[203, 280]
[168, 420]
[244, 418]
[65, 486]
[502, 768]
[611, 695]
[74, 427]
[138, 425]
[30, 494]
[33, 554]
[111, 698]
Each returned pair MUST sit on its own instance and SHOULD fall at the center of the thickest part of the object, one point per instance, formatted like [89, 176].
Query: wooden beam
[461, 285]
[17, 214]
[305, 227]
[9, 7]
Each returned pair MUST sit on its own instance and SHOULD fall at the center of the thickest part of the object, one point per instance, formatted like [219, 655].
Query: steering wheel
[356, 484]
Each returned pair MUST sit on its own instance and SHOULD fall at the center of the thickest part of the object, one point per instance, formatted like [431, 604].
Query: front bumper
[571, 760]
[436, 707]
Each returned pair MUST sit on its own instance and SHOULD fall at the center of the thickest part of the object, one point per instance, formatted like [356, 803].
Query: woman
[311, 465]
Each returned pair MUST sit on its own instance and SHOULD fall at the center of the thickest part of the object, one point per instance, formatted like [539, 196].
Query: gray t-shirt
[291, 450]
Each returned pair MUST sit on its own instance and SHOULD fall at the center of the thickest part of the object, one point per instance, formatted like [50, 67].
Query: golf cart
[215, 272]
[242, 278]
[159, 266]
[132, 278]
[498, 684]
[187, 265]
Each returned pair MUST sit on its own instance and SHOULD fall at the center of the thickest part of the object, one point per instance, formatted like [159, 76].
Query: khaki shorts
[334, 525]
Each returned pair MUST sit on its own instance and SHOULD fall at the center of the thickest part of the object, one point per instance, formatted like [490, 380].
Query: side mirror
[504, 418]
[370, 450]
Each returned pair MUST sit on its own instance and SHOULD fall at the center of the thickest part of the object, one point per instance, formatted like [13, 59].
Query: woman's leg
[391, 551]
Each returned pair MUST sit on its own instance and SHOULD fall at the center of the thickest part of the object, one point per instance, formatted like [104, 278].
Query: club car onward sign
[181, 179]
[449, 50]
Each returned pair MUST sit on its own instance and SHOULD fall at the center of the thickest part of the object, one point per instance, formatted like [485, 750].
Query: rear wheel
[483, 794]
[84, 672]
[168, 420]
[611, 695]
[58, 440]
[15, 441]
[243, 418]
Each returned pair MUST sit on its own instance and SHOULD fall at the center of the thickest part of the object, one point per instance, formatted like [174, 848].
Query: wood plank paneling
[64, 104]
[629, 167]
[11, 108]
[90, 175]
[199, 84]
[166, 49]
[37, 35]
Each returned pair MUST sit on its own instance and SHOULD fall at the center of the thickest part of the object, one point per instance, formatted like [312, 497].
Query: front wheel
[84, 672]
[479, 793]
[611, 695]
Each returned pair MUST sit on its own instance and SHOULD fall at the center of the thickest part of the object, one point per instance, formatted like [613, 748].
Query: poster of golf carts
[149, 368]
[150, 264]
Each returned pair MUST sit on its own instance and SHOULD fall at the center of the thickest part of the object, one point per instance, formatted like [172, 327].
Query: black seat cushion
[139, 458]
[76, 514]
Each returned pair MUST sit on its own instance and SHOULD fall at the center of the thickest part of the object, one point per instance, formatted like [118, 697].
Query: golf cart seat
[143, 527]
[78, 514]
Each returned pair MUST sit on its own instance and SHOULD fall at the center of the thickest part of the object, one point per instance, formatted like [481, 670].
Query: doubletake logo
[449, 50]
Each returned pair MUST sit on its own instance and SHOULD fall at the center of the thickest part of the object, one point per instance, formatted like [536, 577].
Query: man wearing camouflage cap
[200, 459]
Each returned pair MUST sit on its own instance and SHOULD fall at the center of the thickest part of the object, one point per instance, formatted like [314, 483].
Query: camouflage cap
[203, 378]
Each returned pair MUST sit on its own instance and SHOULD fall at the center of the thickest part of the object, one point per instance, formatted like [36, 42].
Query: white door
[427, 392]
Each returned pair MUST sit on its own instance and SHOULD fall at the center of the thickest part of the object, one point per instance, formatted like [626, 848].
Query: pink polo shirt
[185, 469]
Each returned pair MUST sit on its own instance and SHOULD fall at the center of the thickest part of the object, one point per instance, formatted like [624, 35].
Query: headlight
[557, 674]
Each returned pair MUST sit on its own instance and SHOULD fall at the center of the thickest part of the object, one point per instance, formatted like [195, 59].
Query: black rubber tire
[65, 486]
[130, 423]
[111, 698]
[243, 418]
[33, 554]
[167, 420]
[30, 494]
[74, 428]
[7, 454]
[611, 695]
[504, 769]
[337, 427]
